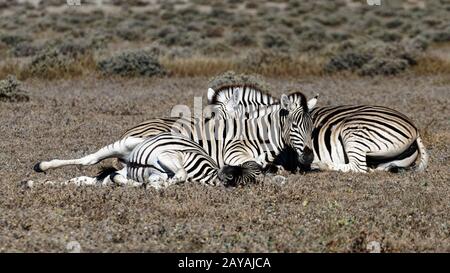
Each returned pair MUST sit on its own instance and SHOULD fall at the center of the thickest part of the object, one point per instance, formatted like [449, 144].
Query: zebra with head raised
[345, 138]
[227, 141]
[168, 159]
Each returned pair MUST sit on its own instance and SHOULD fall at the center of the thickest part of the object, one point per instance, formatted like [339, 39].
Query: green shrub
[241, 39]
[49, 63]
[274, 40]
[375, 58]
[257, 60]
[25, 49]
[10, 90]
[383, 66]
[441, 36]
[14, 39]
[215, 49]
[132, 63]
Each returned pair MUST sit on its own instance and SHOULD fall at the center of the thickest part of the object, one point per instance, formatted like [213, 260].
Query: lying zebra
[168, 159]
[346, 138]
[227, 141]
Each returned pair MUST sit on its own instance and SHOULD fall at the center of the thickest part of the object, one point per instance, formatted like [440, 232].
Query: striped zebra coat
[168, 159]
[226, 141]
[233, 141]
[345, 138]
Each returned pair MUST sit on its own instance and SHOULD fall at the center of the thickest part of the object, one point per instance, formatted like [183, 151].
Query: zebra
[168, 159]
[227, 141]
[356, 138]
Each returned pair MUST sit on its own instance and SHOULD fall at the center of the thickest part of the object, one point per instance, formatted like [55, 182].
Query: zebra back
[247, 95]
[200, 167]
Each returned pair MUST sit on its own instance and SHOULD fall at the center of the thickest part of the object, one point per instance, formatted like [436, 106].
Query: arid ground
[313, 212]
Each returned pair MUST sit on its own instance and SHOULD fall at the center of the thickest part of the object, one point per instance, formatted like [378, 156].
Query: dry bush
[132, 63]
[197, 66]
[373, 58]
[430, 65]
[25, 49]
[61, 62]
[266, 63]
[14, 39]
[10, 90]
[275, 63]
[232, 78]
[241, 39]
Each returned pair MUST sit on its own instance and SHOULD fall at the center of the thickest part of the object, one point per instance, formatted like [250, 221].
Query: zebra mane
[299, 97]
[223, 93]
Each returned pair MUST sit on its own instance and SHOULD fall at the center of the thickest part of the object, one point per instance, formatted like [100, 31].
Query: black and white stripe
[168, 159]
[235, 141]
[349, 137]
[227, 141]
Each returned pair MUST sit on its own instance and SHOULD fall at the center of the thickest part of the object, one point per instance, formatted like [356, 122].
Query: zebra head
[298, 126]
[244, 174]
[224, 108]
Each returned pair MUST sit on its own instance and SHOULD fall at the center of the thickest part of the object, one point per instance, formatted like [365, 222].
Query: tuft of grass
[56, 66]
[431, 65]
[201, 66]
[197, 66]
[10, 90]
[232, 78]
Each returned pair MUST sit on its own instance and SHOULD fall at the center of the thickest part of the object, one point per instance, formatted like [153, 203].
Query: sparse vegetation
[132, 63]
[197, 29]
[312, 212]
[105, 63]
[373, 59]
[10, 90]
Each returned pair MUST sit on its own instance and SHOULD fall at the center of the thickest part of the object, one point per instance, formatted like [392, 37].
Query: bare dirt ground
[314, 212]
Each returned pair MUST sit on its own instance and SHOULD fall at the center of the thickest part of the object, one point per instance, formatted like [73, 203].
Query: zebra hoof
[37, 168]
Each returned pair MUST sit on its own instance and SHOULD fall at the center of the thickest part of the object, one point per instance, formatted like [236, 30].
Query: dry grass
[432, 65]
[185, 67]
[83, 66]
[208, 67]
[198, 66]
[312, 212]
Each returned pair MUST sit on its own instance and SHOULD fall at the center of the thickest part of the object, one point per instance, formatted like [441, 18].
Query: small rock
[27, 184]
[279, 179]
[374, 247]
[73, 247]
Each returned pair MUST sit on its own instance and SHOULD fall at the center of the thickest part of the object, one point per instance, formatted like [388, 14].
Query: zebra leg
[103, 178]
[120, 178]
[394, 165]
[355, 165]
[173, 162]
[82, 180]
[118, 149]
[170, 162]
[356, 156]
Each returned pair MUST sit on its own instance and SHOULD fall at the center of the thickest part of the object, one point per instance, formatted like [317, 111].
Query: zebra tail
[423, 156]
[105, 172]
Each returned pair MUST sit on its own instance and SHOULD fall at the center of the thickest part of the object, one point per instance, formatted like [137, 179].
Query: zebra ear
[210, 95]
[286, 104]
[312, 102]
